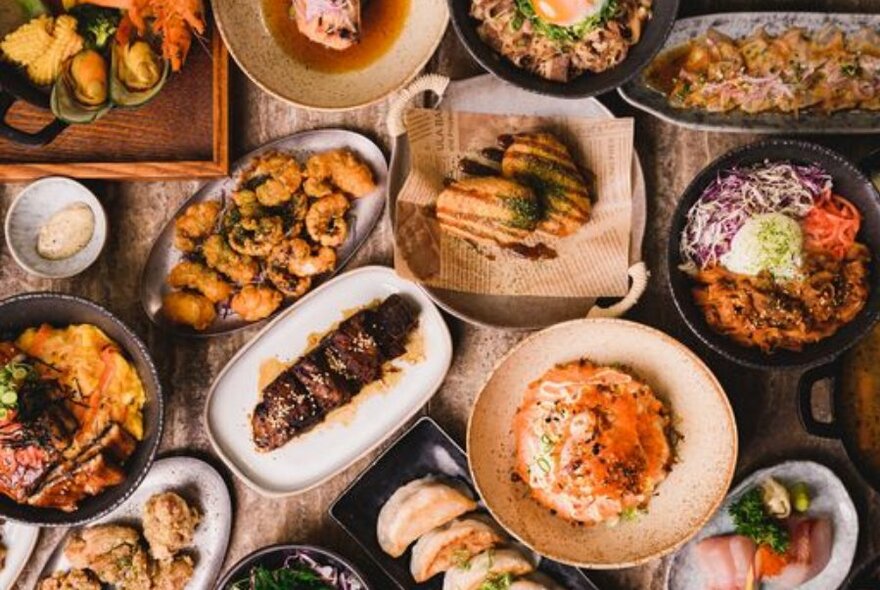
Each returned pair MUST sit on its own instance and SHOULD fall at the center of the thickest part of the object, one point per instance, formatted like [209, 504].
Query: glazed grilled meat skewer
[339, 367]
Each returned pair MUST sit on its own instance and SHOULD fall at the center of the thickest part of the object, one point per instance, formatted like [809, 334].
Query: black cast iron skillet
[14, 87]
[33, 309]
[653, 37]
[850, 183]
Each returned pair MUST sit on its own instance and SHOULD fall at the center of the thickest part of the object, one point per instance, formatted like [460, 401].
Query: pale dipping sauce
[67, 232]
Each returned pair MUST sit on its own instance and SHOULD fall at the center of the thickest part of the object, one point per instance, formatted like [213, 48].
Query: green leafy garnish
[751, 519]
[572, 33]
[497, 582]
[286, 578]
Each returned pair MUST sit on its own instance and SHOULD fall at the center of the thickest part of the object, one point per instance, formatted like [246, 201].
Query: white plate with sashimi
[789, 526]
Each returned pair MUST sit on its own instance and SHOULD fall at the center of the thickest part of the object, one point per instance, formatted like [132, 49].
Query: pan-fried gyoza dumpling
[451, 545]
[488, 566]
[416, 508]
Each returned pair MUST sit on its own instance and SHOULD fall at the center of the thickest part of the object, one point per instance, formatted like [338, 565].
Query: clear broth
[381, 24]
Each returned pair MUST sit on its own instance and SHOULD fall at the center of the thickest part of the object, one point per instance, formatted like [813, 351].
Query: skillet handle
[42, 137]
[805, 401]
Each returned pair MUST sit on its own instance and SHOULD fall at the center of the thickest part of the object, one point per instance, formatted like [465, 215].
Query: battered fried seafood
[219, 256]
[255, 302]
[344, 170]
[592, 442]
[325, 220]
[789, 72]
[192, 275]
[196, 223]
[169, 524]
[189, 309]
[273, 240]
[75, 579]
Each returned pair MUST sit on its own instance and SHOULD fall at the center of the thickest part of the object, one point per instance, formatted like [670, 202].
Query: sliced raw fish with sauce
[726, 561]
[808, 554]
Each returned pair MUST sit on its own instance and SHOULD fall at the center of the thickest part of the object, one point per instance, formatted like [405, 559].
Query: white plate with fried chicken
[172, 533]
[291, 215]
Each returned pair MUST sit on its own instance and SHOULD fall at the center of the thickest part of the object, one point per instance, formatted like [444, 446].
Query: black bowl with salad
[292, 567]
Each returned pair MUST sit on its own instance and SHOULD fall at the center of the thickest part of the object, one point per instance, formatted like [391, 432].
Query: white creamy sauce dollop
[66, 232]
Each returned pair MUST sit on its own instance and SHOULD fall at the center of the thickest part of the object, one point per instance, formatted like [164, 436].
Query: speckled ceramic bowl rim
[698, 364]
[89, 198]
[135, 480]
[866, 318]
[404, 81]
[233, 571]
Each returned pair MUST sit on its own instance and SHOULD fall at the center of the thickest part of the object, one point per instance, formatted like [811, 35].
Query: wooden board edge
[218, 166]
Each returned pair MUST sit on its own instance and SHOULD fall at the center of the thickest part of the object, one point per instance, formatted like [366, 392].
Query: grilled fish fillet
[542, 162]
[333, 23]
[488, 209]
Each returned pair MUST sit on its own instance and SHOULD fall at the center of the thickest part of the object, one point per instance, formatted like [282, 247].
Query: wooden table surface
[764, 403]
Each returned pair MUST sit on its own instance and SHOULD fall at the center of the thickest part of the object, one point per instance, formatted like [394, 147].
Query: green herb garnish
[497, 582]
[751, 519]
[851, 70]
[12, 377]
[526, 212]
[570, 34]
[287, 578]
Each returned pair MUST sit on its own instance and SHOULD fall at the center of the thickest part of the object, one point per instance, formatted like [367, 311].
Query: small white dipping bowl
[33, 207]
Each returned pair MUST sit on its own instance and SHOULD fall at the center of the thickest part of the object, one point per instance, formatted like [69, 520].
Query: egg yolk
[565, 12]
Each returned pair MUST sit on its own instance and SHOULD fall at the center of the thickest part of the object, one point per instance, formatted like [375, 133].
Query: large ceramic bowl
[244, 29]
[588, 84]
[683, 502]
[850, 183]
[33, 309]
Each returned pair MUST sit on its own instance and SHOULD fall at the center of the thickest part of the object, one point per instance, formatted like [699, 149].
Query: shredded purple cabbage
[339, 578]
[737, 195]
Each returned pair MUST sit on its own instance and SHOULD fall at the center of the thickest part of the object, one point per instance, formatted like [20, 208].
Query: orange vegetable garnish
[769, 563]
[831, 225]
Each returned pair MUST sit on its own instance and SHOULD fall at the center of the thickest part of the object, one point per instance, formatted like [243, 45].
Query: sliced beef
[353, 353]
[343, 363]
[328, 389]
[286, 410]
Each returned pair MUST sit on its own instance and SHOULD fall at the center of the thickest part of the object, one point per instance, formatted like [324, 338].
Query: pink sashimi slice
[726, 561]
[810, 551]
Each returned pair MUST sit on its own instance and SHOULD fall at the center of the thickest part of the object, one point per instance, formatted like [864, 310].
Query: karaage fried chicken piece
[197, 221]
[192, 275]
[255, 302]
[246, 203]
[282, 167]
[169, 524]
[114, 553]
[189, 309]
[219, 256]
[344, 170]
[172, 574]
[75, 579]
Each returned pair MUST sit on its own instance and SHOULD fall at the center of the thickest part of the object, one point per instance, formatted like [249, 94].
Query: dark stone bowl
[587, 84]
[33, 309]
[274, 556]
[850, 183]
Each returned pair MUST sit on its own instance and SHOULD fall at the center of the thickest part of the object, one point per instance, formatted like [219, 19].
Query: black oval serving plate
[850, 183]
[274, 556]
[33, 309]
[425, 449]
[587, 84]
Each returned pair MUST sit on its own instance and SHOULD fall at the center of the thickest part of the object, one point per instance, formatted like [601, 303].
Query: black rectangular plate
[425, 449]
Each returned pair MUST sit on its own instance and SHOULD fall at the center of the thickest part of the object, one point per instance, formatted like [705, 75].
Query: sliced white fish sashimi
[726, 561]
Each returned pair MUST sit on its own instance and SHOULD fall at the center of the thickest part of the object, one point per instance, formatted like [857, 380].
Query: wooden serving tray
[182, 133]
